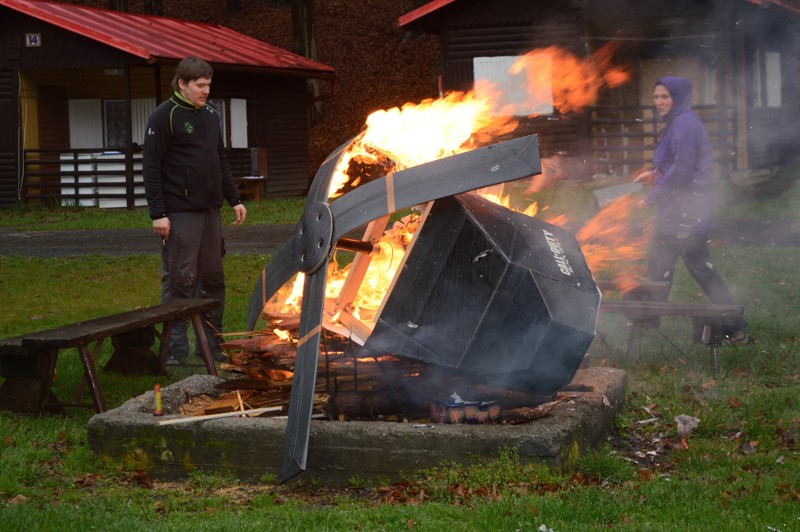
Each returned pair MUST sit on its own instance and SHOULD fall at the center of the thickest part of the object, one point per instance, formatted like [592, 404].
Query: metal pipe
[359, 246]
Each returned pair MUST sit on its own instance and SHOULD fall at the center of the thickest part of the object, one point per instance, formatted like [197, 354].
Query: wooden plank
[81, 333]
[652, 309]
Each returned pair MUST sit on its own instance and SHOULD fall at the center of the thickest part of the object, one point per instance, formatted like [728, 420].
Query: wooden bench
[708, 320]
[30, 359]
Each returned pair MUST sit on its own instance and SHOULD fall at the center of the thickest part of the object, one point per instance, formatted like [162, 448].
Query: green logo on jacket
[188, 127]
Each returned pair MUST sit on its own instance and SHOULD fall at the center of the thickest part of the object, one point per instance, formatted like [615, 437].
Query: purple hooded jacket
[683, 164]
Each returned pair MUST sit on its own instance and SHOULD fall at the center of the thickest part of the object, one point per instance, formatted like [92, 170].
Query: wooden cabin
[77, 85]
[739, 54]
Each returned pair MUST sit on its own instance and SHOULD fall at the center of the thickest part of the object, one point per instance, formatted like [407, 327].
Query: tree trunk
[304, 42]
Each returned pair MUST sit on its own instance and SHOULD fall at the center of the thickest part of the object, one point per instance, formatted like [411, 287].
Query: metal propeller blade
[281, 268]
[301, 402]
[322, 225]
[482, 167]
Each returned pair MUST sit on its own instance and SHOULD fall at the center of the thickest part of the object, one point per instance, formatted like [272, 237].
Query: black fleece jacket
[184, 165]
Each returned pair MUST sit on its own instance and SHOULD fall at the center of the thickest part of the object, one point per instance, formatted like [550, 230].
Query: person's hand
[644, 175]
[643, 205]
[241, 214]
[161, 228]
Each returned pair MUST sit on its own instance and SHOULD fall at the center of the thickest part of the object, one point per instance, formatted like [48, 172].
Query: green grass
[263, 212]
[741, 470]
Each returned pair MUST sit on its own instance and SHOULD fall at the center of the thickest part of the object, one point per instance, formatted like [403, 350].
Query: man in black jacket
[187, 177]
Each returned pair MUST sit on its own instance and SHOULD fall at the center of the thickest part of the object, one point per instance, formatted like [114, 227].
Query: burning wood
[456, 410]
[353, 386]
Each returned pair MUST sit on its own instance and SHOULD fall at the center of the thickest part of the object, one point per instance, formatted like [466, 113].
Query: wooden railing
[95, 178]
[622, 139]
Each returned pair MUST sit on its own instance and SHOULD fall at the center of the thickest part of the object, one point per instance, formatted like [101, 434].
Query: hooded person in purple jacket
[682, 191]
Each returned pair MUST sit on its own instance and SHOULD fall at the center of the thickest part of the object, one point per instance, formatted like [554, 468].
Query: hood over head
[680, 89]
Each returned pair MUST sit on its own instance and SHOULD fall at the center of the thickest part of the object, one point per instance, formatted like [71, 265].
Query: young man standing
[187, 177]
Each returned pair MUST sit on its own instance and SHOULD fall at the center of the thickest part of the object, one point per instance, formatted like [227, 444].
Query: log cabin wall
[9, 137]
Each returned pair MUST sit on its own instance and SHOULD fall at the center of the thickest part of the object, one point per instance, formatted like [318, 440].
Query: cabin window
[493, 74]
[768, 81]
[115, 137]
[233, 120]
[219, 105]
[114, 124]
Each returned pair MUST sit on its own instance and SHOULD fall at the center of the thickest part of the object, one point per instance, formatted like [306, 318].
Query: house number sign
[33, 40]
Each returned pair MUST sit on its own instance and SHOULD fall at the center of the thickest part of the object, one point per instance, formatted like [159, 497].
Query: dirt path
[244, 240]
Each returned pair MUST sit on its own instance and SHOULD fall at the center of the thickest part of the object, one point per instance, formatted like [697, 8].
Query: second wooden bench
[709, 321]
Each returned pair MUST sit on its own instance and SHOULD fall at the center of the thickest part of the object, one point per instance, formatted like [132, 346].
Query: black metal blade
[301, 402]
[321, 185]
[482, 167]
[282, 266]
[280, 269]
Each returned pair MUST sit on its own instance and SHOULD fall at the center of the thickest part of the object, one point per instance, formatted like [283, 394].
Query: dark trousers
[192, 267]
[693, 249]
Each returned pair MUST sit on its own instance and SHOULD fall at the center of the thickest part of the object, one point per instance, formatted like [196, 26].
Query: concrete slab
[251, 447]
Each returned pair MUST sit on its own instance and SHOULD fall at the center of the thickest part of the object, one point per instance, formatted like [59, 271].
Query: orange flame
[609, 242]
[573, 83]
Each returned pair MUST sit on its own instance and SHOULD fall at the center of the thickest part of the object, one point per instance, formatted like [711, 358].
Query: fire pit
[251, 447]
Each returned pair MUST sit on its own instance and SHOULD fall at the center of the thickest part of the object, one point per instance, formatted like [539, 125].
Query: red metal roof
[435, 5]
[422, 11]
[787, 4]
[162, 39]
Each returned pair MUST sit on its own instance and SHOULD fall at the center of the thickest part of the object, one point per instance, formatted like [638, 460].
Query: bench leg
[197, 322]
[48, 372]
[163, 346]
[635, 340]
[82, 384]
[91, 378]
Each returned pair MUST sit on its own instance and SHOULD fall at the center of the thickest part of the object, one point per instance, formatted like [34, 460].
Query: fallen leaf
[747, 448]
[18, 499]
[709, 384]
[142, 478]
[88, 480]
[646, 475]
[734, 402]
